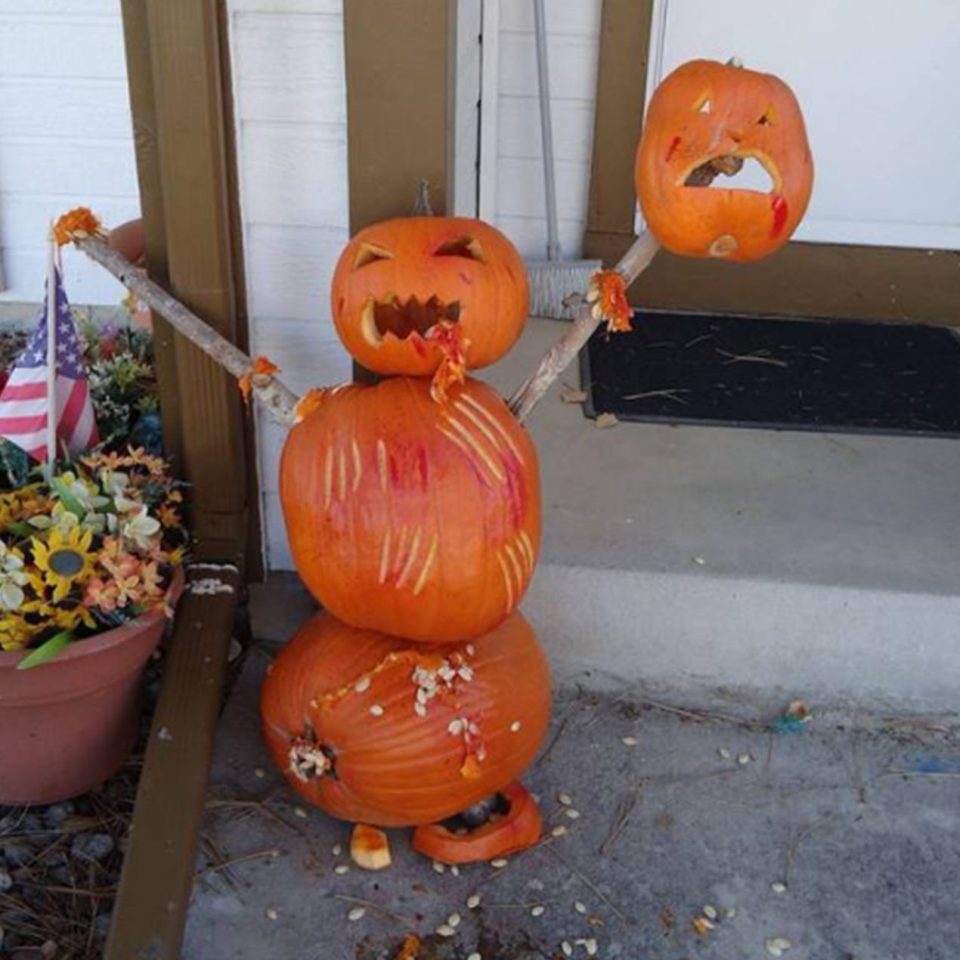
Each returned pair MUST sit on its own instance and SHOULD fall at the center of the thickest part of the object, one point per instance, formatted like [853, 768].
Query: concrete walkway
[857, 817]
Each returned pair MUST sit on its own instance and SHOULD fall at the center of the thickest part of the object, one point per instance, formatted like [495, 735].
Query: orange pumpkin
[398, 282]
[376, 729]
[704, 120]
[410, 517]
[516, 829]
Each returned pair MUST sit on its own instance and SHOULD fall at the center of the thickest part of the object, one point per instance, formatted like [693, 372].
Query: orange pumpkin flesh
[411, 517]
[704, 120]
[399, 282]
[520, 827]
[369, 848]
[373, 728]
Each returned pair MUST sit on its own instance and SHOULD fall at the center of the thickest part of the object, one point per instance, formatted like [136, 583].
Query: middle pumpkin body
[412, 517]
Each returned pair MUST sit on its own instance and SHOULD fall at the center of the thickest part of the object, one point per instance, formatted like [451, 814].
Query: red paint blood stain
[779, 207]
[418, 344]
[422, 467]
[466, 279]
[516, 489]
[394, 473]
[673, 146]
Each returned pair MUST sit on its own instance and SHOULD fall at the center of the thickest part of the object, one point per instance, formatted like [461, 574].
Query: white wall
[511, 174]
[65, 138]
[287, 58]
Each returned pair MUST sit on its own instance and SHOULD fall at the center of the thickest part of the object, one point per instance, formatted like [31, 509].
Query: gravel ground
[687, 834]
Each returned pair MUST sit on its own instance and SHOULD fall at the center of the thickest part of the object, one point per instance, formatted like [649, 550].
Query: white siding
[512, 171]
[65, 138]
[289, 84]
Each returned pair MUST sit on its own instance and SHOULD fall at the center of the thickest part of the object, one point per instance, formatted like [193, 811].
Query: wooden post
[181, 107]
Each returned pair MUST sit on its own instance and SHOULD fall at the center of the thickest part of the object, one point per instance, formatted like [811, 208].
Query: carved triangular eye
[370, 253]
[769, 117]
[461, 247]
[704, 103]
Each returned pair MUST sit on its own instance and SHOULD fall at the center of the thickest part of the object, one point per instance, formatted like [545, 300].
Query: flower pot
[67, 725]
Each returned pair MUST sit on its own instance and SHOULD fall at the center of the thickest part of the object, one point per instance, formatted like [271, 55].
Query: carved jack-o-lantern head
[396, 282]
[705, 121]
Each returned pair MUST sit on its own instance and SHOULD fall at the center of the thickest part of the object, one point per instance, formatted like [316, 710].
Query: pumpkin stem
[735, 62]
[422, 207]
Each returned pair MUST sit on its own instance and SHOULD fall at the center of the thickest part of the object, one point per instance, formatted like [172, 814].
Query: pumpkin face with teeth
[403, 285]
[707, 120]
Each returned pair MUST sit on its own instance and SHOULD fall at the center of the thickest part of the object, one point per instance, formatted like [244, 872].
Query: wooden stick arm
[561, 354]
[278, 399]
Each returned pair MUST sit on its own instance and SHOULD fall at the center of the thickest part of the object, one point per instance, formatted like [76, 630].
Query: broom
[552, 281]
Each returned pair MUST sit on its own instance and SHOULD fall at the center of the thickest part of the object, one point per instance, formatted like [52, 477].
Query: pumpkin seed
[473, 901]
[357, 913]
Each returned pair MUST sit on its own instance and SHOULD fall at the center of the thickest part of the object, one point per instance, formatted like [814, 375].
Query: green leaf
[21, 530]
[47, 650]
[67, 498]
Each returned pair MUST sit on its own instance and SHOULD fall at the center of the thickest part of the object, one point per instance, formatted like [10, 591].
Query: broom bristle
[552, 281]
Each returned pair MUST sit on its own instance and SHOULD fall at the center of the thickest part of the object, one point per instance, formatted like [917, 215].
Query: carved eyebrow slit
[466, 247]
[370, 253]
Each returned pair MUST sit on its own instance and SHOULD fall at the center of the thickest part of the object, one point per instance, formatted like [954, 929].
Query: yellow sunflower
[64, 560]
[15, 633]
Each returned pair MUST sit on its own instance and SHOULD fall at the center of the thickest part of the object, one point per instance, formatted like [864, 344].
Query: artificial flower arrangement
[123, 390]
[94, 548]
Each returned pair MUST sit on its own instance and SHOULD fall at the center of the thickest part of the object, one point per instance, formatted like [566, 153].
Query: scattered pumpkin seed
[453, 920]
[724, 753]
[778, 887]
[565, 799]
[439, 867]
[376, 710]
[566, 948]
[336, 849]
[580, 907]
[629, 741]
[455, 870]
[572, 814]
[699, 561]
[499, 862]
[445, 930]
[474, 956]
[744, 758]
[589, 944]
[271, 913]
[538, 911]
[357, 913]
[259, 773]
[777, 946]
[300, 812]
[473, 901]
[340, 869]
[710, 912]
[515, 726]
[558, 831]
[362, 685]
[731, 912]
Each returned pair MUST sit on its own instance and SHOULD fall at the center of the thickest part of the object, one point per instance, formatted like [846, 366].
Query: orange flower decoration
[453, 367]
[608, 294]
[75, 225]
[262, 367]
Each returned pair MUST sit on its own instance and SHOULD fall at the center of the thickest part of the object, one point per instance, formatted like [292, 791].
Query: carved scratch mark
[517, 568]
[427, 565]
[328, 479]
[342, 478]
[357, 466]
[507, 580]
[469, 437]
[454, 439]
[397, 564]
[414, 547]
[384, 556]
[495, 424]
[527, 549]
[382, 464]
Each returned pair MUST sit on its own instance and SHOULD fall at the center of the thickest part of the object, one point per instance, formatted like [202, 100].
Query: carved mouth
[403, 318]
[751, 173]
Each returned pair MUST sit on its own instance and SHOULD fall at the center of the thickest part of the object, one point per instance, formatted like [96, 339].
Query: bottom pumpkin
[378, 729]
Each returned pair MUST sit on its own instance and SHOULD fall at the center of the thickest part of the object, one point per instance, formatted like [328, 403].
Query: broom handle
[546, 130]
[559, 356]
[279, 400]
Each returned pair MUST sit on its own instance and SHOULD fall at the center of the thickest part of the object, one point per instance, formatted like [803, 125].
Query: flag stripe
[25, 391]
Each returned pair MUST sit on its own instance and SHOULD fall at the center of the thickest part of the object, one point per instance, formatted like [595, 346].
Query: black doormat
[786, 374]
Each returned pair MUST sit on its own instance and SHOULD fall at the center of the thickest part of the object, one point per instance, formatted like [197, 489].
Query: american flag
[23, 401]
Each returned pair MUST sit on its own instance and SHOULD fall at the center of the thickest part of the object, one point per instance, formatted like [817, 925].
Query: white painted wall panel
[289, 85]
[65, 137]
[511, 179]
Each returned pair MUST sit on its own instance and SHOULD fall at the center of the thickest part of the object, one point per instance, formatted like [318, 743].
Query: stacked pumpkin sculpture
[413, 506]
[413, 513]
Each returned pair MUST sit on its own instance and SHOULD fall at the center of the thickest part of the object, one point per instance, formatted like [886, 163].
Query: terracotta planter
[67, 725]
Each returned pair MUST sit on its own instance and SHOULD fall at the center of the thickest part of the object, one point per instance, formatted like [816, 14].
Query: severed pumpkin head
[706, 122]
[405, 287]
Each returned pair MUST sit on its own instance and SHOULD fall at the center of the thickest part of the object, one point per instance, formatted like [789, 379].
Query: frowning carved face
[707, 122]
[399, 283]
